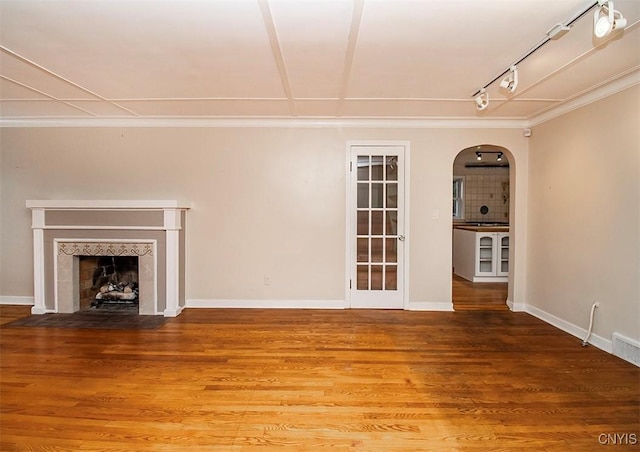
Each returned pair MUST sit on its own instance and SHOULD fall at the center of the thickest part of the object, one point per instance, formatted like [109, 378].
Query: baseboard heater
[626, 348]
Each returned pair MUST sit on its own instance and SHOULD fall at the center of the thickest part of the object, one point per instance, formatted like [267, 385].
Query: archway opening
[481, 221]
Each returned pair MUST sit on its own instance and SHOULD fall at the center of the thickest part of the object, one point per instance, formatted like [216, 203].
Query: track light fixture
[510, 81]
[482, 100]
[606, 19]
[480, 156]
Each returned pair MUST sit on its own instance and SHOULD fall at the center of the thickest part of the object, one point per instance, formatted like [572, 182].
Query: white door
[377, 222]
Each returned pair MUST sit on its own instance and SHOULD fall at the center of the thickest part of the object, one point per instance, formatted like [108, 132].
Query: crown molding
[606, 89]
[389, 123]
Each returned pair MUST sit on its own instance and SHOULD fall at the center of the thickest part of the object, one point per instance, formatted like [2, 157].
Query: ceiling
[66, 60]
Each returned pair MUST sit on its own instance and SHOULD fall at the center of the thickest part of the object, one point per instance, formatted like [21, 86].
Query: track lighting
[558, 31]
[606, 19]
[483, 161]
[510, 81]
[482, 100]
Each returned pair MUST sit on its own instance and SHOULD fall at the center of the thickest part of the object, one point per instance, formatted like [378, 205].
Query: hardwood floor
[353, 380]
[468, 296]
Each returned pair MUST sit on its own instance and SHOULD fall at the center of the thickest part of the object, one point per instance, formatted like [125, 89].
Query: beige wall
[2, 204]
[266, 201]
[584, 206]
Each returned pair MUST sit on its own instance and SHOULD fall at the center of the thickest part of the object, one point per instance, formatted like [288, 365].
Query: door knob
[401, 238]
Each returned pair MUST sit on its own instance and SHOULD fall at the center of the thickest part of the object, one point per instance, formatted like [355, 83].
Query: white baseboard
[430, 306]
[516, 306]
[567, 327]
[22, 301]
[173, 312]
[266, 304]
[304, 304]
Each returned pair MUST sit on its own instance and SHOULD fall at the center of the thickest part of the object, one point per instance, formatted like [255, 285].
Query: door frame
[350, 227]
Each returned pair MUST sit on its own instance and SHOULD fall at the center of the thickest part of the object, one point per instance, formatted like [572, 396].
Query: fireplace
[149, 233]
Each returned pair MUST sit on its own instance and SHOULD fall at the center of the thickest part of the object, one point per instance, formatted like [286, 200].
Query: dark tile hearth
[92, 319]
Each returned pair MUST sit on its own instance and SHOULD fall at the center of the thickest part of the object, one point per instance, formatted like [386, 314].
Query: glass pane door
[376, 180]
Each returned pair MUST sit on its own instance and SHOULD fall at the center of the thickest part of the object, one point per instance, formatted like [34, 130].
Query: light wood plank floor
[354, 380]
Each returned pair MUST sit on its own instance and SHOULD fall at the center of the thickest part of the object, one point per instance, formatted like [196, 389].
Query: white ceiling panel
[407, 108]
[302, 58]
[39, 79]
[519, 108]
[207, 108]
[313, 37]
[40, 109]
[12, 90]
[101, 108]
[148, 49]
[317, 108]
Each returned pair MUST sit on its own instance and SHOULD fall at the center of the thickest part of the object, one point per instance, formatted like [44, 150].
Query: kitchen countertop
[481, 228]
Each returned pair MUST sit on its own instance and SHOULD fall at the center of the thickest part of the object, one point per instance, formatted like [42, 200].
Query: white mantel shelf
[88, 204]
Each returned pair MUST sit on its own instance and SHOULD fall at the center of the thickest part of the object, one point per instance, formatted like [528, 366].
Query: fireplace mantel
[100, 204]
[83, 225]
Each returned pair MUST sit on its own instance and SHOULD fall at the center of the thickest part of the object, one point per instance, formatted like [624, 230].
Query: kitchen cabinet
[481, 256]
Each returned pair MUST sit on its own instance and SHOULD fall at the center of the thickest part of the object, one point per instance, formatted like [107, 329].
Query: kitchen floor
[468, 296]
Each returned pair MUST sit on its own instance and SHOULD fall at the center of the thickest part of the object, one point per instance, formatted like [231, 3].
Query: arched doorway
[482, 192]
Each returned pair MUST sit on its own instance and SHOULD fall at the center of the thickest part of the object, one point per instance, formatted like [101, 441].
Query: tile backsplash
[486, 190]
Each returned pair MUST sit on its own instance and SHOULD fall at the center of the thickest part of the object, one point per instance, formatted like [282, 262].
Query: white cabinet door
[502, 254]
[486, 254]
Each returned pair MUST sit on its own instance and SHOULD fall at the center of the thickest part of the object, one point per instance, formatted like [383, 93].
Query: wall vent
[626, 348]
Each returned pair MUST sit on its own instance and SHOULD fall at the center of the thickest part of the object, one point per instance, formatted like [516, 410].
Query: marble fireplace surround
[154, 231]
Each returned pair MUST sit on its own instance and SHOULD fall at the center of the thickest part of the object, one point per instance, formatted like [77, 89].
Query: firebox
[109, 283]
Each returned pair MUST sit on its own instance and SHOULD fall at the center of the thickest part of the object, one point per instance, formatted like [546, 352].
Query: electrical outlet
[267, 280]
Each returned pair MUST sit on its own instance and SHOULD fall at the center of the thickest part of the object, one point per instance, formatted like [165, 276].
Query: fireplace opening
[109, 283]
